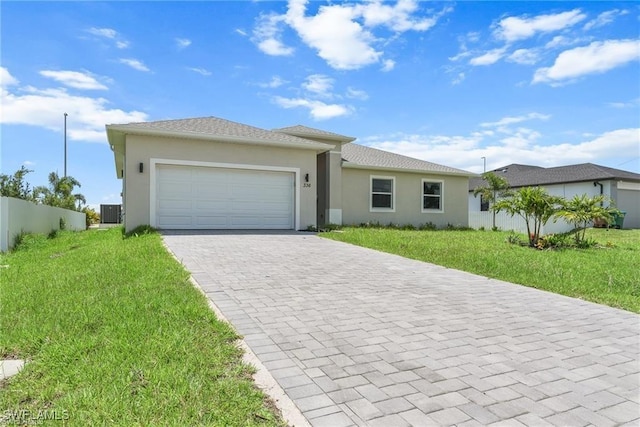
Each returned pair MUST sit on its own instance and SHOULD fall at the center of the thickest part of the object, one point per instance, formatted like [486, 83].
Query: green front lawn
[115, 334]
[607, 274]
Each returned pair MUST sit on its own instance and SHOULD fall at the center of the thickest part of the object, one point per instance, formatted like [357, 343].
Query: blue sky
[548, 83]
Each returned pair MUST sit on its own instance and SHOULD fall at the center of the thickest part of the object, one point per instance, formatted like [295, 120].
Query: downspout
[601, 189]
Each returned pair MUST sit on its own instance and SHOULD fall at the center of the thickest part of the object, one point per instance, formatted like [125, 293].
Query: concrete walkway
[359, 337]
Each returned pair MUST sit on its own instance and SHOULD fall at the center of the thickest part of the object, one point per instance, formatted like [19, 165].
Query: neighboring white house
[211, 173]
[622, 187]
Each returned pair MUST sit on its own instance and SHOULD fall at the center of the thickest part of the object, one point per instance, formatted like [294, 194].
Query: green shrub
[428, 226]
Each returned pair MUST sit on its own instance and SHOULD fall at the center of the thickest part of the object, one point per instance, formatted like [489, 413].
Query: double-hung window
[432, 196]
[382, 194]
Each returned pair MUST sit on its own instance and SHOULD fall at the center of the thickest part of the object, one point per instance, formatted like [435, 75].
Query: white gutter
[349, 165]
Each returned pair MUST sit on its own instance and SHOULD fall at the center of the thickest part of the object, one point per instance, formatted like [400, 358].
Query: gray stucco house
[211, 173]
[620, 186]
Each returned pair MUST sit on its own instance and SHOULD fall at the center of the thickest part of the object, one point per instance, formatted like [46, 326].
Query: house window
[383, 193]
[431, 196]
[484, 204]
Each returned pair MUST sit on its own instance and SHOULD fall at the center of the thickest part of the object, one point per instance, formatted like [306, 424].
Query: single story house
[622, 187]
[211, 173]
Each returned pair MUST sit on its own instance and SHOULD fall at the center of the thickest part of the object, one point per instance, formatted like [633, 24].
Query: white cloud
[334, 33]
[524, 56]
[518, 28]
[557, 41]
[275, 82]
[458, 79]
[201, 71]
[488, 58]
[357, 94]
[110, 34]
[44, 108]
[241, 32]
[317, 109]
[319, 85]
[465, 152]
[6, 79]
[74, 79]
[598, 57]
[135, 64]
[28, 163]
[628, 104]
[397, 17]
[268, 35]
[604, 18]
[388, 65]
[182, 43]
[515, 119]
[342, 34]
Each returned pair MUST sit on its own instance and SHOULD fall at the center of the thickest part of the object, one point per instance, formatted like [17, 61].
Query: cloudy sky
[548, 83]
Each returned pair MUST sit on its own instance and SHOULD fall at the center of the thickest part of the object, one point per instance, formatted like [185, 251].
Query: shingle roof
[216, 127]
[362, 156]
[300, 130]
[525, 175]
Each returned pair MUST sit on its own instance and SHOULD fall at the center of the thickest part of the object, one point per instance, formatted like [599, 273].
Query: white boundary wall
[18, 216]
[516, 223]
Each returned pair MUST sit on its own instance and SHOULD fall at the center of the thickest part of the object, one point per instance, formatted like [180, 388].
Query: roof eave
[116, 143]
[349, 165]
[128, 130]
[337, 138]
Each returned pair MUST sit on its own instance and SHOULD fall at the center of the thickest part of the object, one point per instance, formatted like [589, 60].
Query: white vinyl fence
[516, 223]
[17, 216]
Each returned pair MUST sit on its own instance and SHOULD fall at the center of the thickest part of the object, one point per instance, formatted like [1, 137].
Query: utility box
[110, 214]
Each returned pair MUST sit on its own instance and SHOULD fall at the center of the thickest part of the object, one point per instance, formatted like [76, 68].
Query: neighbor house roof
[362, 157]
[307, 132]
[205, 128]
[525, 175]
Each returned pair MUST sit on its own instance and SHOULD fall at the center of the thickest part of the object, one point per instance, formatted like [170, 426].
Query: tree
[582, 210]
[15, 185]
[60, 193]
[497, 186]
[533, 204]
[92, 216]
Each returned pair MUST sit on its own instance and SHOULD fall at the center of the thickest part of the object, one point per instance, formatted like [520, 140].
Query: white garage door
[190, 197]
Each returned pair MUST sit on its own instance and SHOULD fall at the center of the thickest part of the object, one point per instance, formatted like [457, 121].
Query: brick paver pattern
[359, 337]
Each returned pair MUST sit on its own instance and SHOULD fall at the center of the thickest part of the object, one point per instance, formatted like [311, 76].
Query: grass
[115, 334]
[606, 274]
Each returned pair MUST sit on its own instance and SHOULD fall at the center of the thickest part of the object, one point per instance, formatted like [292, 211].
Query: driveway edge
[263, 379]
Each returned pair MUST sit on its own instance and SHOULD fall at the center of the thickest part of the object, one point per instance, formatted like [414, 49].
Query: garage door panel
[218, 198]
[213, 190]
[204, 206]
[275, 208]
[174, 189]
[167, 205]
[174, 221]
[212, 221]
[176, 173]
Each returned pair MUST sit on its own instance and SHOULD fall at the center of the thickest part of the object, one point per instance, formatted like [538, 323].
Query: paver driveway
[359, 337]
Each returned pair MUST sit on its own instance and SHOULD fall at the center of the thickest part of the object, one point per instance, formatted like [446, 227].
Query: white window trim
[393, 194]
[153, 162]
[441, 182]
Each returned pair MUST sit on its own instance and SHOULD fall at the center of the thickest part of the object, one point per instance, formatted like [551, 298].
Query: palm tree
[534, 205]
[497, 186]
[60, 192]
[582, 210]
